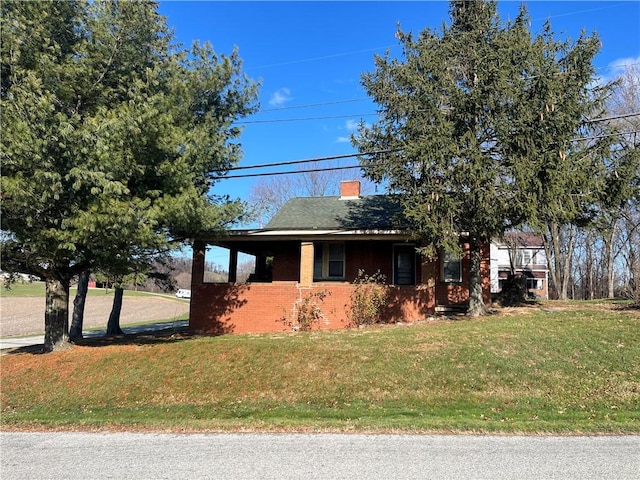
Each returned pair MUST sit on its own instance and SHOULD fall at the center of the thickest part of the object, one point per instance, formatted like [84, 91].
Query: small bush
[369, 299]
[514, 291]
[306, 311]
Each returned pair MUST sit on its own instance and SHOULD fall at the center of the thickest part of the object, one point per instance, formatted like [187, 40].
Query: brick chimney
[349, 189]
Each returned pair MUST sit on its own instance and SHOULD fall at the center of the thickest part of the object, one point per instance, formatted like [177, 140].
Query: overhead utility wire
[331, 169]
[306, 118]
[352, 100]
[302, 119]
[615, 134]
[375, 152]
[324, 57]
[270, 174]
[310, 160]
[308, 105]
[336, 157]
[614, 117]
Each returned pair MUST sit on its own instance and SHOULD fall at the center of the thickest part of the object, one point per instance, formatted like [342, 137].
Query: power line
[606, 135]
[304, 119]
[337, 157]
[329, 117]
[270, 174]
[570, 14]
[324, 57]
[614, 117]
[322, 104]
[351, 100]
[309, 160]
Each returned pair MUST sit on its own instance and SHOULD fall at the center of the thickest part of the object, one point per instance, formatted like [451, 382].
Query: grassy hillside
[569, 370]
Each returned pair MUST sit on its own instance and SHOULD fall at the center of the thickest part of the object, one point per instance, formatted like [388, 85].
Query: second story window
[524, 257]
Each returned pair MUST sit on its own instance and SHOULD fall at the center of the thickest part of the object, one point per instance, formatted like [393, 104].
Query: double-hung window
[328, 261]
[524, 257]
[451, 268]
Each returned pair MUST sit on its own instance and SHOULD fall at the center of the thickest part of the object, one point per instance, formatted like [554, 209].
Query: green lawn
[22, 289]
[37, 289]
[574, 370]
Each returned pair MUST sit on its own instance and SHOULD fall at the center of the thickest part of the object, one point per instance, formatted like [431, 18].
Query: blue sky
[308, 53]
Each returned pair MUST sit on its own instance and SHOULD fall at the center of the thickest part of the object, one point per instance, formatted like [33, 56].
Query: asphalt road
[89, 456]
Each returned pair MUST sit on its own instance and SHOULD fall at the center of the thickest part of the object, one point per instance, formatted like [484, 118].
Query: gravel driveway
[25, 315]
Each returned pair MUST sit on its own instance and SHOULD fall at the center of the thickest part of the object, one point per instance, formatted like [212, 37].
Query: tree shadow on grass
[630, 307]
[149, 337]
[141, 337]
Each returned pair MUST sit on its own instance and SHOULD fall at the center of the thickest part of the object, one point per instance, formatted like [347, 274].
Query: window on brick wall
[328, 261]
[534, 284]
[451, 268]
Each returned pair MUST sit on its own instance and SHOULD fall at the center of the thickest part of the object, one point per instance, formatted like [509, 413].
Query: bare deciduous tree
[268, 196]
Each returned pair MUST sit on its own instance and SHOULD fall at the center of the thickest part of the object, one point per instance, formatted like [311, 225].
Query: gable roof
[373, 212]
[521, 240]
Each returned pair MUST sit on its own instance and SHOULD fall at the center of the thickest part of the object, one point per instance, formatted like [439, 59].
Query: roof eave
[313, 234]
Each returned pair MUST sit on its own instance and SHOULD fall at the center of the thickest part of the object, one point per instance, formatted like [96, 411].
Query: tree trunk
[553, 277]
[56, 316]
[113, 325]
[610, 261]
[77, 319]
[476, 300]
[559, 259]
[566, 271]
[589, 267]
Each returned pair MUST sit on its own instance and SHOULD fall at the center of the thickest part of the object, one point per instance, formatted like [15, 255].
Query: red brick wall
[261, 307]
[225, 308]
[369, 257]
[458, 293]
[286, 262]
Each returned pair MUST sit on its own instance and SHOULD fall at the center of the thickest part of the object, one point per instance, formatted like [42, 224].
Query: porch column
[306, 264]
[233, 265]
[197, 266]
[197, 279]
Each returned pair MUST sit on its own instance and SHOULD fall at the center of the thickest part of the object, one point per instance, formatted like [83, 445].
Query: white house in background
[525, 251]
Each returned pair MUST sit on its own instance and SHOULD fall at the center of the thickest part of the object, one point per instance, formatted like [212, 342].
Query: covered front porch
[289, 267]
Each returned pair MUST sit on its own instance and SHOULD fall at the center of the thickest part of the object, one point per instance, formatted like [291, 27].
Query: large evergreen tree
[557, 155]
[440, 108]
[110, 137]
[460, 109]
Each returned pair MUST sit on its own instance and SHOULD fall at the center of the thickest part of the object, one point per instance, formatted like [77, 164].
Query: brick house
[320, 244]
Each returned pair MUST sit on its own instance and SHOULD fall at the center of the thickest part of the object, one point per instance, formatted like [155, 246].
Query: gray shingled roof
[332, 213]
